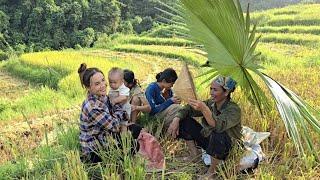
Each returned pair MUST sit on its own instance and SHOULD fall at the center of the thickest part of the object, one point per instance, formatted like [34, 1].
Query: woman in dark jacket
[221, 124]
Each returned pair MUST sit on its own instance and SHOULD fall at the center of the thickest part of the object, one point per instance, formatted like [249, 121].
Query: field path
[11, 87]
[19, 138]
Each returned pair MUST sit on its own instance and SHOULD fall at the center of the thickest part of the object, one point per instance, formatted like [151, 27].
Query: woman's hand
[176, 100]
[197, 104]
[133, 108]
[166, 93]
[173, 129]
[205, 110]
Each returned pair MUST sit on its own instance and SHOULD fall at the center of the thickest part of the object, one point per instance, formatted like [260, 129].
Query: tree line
[34, 25]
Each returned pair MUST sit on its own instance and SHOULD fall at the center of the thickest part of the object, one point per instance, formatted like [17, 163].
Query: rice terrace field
[41, 95]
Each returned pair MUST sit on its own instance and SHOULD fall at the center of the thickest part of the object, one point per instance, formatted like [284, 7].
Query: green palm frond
[295, 113]
[227, 39]
[221, 27]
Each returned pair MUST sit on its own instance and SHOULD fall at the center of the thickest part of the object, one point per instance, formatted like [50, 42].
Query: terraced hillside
[290, 53]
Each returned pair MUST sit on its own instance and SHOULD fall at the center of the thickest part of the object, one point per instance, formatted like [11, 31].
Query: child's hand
[120, 100]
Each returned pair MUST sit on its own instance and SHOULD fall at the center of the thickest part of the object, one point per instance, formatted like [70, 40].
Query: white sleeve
[124, 91]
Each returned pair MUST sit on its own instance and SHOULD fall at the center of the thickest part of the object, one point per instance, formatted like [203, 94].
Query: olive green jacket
[228, 118]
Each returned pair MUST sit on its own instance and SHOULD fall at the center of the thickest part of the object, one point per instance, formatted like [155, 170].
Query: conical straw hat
[184, 87]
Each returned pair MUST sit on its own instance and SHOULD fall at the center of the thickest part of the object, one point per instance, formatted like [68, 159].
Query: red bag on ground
[151, 149]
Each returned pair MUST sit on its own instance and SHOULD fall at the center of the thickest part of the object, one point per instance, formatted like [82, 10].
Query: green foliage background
[35, 25]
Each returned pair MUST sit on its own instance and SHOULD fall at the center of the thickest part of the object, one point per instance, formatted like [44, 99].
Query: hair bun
[82, 68]
[158, 75]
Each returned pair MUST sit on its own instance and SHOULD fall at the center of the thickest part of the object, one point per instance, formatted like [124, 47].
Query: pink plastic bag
[151, 149]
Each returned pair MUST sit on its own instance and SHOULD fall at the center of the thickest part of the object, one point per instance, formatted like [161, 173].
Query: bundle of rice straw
[184, 87]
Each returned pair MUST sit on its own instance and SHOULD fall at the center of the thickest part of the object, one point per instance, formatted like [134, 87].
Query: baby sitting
[119, 93]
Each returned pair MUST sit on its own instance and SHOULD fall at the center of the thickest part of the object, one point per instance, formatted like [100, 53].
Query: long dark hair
[86, 73]
[128, 76]
[169, 75]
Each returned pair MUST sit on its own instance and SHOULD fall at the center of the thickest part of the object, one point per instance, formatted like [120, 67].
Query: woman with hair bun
[99, 118]
[163, 104]
[137, 98]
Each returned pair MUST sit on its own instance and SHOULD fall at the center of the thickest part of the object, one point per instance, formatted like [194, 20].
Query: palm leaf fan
[221, 27]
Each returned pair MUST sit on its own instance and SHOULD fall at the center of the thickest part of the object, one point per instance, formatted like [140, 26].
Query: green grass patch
[14, 170]
[165, 51]
[307, 14]
[285, 55]
[297, 39]
[36, 74]
[44, 96]
[168, 31]
[121, 39]
[290, 29]
[286, 12]
[36, 103]
[294, 21]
